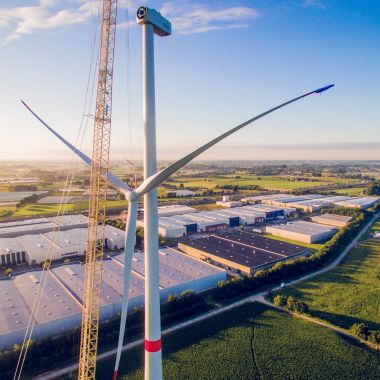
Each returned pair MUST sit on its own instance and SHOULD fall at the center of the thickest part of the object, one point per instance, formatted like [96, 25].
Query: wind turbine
[152, 23]
[134, 169]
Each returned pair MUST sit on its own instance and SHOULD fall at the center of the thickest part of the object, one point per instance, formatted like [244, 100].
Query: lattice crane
[98, 196]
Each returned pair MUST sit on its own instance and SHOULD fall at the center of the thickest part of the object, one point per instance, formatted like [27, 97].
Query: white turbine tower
[152, 22]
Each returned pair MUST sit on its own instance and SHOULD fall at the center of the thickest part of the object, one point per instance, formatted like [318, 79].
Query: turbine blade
[130, 231]
[163, 175]
[112, 179]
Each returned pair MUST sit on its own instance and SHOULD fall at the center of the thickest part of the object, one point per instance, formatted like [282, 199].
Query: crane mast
[98, 196]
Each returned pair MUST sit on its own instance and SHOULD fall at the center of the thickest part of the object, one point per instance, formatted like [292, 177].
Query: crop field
[267, 182]
[353, 191]
[350, 293]
[254, 342]
[41, 209]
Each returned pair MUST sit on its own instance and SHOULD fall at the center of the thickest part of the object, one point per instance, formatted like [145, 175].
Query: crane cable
[73, 166]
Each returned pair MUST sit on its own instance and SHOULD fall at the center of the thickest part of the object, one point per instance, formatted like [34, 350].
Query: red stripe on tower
[152, 345]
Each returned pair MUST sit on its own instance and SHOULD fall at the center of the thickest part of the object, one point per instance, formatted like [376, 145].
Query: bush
[280, 300]
[360, 330]
[374, 337]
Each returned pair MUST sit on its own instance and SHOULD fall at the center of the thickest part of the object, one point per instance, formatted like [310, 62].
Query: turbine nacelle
[161, 26]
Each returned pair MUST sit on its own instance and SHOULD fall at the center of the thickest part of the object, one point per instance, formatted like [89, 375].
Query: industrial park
[189, 190]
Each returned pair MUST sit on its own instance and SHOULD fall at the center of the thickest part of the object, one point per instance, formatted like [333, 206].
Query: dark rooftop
[246, 249]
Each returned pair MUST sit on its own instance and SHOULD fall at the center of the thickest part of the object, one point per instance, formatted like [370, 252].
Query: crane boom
[98, 196]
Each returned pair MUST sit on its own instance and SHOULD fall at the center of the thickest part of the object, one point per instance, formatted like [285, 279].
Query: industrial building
[42, 225]
[312, 202]
[302, 231]
[175, 210]
[241, 251]
[34, 249]
[331, 219]
[211, 221]
[228, 203]
[181, 193]
[61, 300]
[361, 203]
[261, 198]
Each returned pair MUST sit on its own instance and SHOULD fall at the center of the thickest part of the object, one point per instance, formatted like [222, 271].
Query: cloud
[188, 17]
[320, 4]
[44, 15]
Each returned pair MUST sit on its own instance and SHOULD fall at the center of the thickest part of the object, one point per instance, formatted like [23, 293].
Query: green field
[42, 209]
[266, 182]
[353, 191]
[254, 342]
[350, 293]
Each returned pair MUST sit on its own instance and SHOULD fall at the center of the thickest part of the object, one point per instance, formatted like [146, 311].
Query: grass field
[353, 191]
[254, 342]
[42, 209]
[266, 182]
[350, 293]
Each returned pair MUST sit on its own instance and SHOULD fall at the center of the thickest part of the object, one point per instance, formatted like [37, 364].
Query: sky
[225, 62]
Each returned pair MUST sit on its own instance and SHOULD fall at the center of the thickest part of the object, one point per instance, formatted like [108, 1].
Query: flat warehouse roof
[264, 243]
[302, 227]
[75, 283]
[175, 267]
[241, 252]
[332, 217]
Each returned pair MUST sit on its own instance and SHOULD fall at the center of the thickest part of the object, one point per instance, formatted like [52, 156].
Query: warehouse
[271, 213]
[61, 300]
[175, 210]
[261, 198]
[228, 203]
[312, 205]
[42, 225]
[241, 251]
[11, 252]
[169, 228]
[360, 203]
[34, 249]
[331, 219]
[210, 221]
[306, 232]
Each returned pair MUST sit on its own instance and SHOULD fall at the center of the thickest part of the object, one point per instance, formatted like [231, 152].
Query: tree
[8, 272]
[280, 300]
[47, 263]
[373, 188]
[360, 330]
[374, 337]
[16, 347]
[291, 303]
[301, 307]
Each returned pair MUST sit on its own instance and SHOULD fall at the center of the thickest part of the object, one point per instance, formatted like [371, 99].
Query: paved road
[257, 297]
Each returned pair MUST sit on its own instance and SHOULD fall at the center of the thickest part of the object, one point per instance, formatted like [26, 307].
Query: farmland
[254, 341]
[265, 182]
[352, 192]
[350, 293]
[41, 209]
